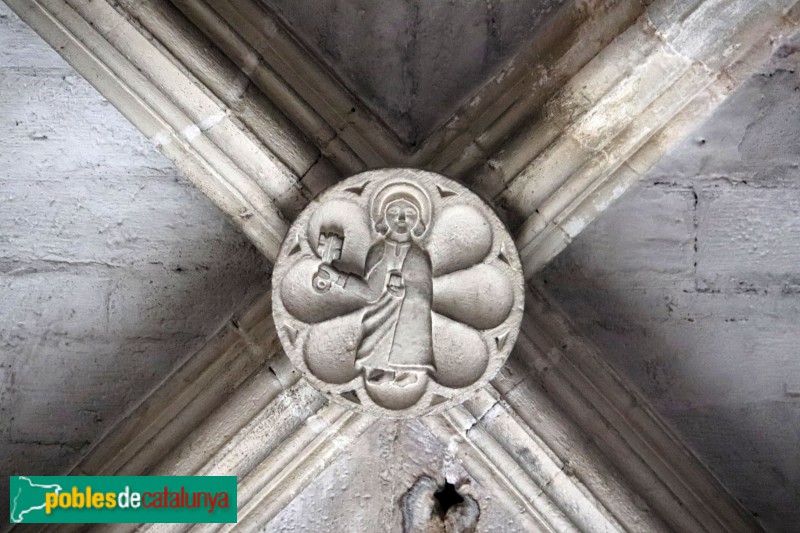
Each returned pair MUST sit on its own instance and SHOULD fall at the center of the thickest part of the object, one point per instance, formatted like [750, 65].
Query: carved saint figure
[398, 290]
[396, 349]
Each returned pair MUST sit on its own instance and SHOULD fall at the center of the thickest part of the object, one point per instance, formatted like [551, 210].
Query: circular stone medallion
[398, 292]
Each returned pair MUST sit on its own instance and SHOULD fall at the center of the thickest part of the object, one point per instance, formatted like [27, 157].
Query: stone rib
[639, 96]
[567, 491]
[497, 471]
[553, 363]
[185, 119]
[299, 84]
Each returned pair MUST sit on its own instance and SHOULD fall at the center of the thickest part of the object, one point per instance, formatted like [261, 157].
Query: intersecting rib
[217, 117]
[237, 407]
[554, 373]
[570, 446]
[200, 127]
[623, 110]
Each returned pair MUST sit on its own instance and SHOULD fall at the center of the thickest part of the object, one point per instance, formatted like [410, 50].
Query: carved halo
[401, 191]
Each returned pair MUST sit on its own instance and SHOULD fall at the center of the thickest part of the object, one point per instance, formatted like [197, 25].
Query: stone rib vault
[261, 124]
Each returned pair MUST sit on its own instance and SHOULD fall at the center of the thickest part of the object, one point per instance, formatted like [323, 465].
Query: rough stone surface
[700, 311]
[690, 285]
[364, 489]
[399, 292]
[412, 62]
[112, 266]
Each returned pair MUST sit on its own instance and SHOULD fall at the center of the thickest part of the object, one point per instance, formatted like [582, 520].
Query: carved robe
[396, 328]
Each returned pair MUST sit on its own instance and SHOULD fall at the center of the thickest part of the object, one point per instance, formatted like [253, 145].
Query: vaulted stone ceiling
[414, 62]
[690, 285]
[113, 267]
[652, 283]
[373, 476]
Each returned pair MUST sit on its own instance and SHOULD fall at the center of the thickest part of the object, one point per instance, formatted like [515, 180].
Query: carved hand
[326, 276]
[395, 284]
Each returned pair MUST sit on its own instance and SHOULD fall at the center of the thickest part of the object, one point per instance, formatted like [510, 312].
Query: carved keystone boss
[398, 292]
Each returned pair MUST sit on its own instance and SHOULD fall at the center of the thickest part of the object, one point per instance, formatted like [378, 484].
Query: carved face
[401, 216]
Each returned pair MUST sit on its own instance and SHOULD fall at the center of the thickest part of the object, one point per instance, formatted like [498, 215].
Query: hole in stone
[358, 189]
[291, 333]
[501, 340]
[502, 255]
[437, 399]
[351, 396]
[447, 497]
[434, 508]
[444, 193]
